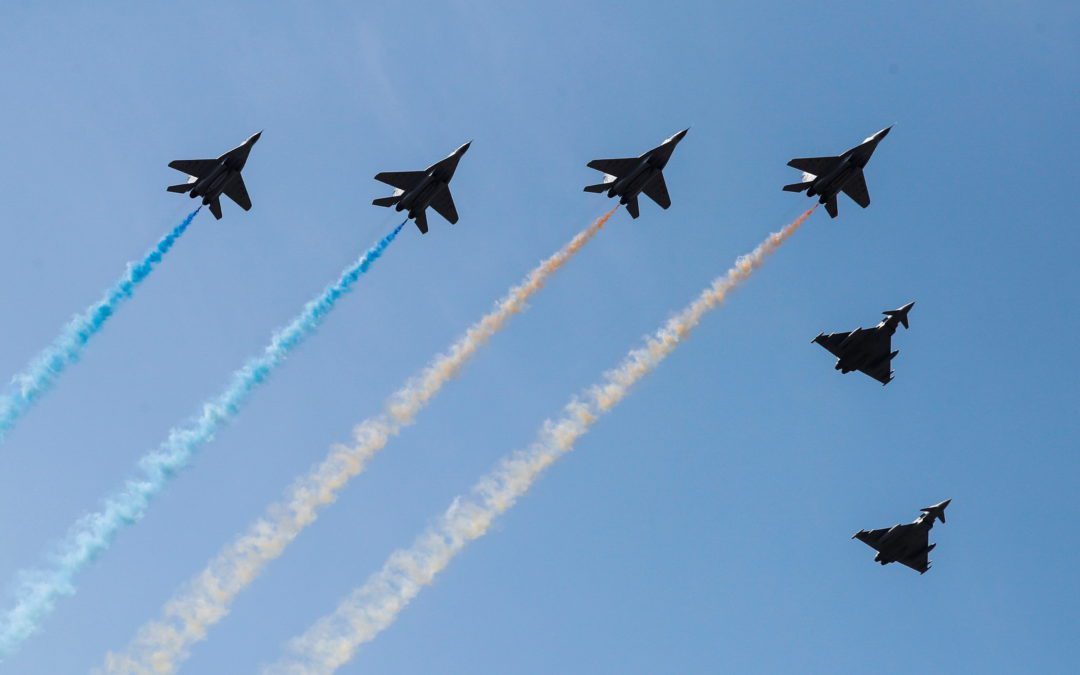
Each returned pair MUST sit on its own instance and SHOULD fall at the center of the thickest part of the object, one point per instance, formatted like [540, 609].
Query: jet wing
[921, 562]
[615, 167]
[872, 538]
[878, 350]
[817, 166]
[656, 190]
[855, 187]
[237, 192]
[832, 342]
[194, 167]
[443, 203]
[402, 180]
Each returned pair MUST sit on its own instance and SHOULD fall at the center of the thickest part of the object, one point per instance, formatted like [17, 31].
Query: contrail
[40, 375]
[37, 590]
[161, 645]
[333, 640]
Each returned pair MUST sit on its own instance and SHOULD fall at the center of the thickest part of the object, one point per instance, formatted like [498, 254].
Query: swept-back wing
[920, 562]
[855, 187]
[881, 372]
[872, 538]
[878, 347]
[832, 342]
[194, 167]
[443, 203]
[656, 190]
[237, 191]
[402, 180]
[818, 166]
[615, 167]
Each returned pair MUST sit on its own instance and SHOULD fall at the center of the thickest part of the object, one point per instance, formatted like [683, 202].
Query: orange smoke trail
[333, 640]
[163, 644]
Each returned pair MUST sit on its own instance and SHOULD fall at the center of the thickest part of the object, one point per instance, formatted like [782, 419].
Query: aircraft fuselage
[904, 544]
[852, 162]
[631, 185]
[419, 198]
[858, 354]
[213, 184]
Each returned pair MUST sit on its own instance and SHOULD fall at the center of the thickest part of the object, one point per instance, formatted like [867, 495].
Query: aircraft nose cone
[884, 132]
[255, 137]
[462, 149]
[679, 136]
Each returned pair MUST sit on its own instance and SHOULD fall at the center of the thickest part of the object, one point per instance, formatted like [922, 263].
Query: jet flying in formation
[868, 350]
[828, 176]
[627, 178]
[210, 178]
[906, 544]
[416, 190]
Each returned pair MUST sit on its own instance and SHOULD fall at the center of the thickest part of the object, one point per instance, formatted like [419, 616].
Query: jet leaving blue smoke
[37, 590]
[29, 385]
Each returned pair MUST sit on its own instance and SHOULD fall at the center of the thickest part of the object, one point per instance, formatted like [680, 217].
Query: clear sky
[704, 525]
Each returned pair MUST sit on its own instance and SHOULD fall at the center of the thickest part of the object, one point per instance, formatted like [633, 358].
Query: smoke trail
[29, 385]
[37, 590]
[333, 640]
[161, 645]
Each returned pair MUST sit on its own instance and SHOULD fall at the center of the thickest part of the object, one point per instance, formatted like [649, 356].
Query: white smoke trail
[161, 645]
[333, 640]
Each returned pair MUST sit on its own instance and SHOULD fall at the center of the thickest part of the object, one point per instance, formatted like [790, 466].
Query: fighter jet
[416, 190]
[906, 544]
[867, 350]
[210, 178]
[828, 176]
[629, 177]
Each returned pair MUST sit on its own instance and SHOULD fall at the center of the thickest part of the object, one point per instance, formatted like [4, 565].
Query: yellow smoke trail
[161, 645]
[332, 641]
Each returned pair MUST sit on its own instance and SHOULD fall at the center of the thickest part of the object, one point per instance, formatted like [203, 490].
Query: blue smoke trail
[29, 385]
[37, 591]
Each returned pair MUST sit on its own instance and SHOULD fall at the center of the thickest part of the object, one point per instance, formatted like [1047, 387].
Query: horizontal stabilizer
[181, 188]
[215, 208]
[421, 221]
[387, 201]
[830, 206]
[798, 187]
[632, 207]
[599, 187]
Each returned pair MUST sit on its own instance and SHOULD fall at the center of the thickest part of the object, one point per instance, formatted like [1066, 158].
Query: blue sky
[701, 527]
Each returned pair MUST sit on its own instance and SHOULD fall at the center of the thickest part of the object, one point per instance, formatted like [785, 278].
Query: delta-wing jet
[906, 544]
[414, 191]
[628, 177]
[826, 177]
[868, 350]
[211, 178]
